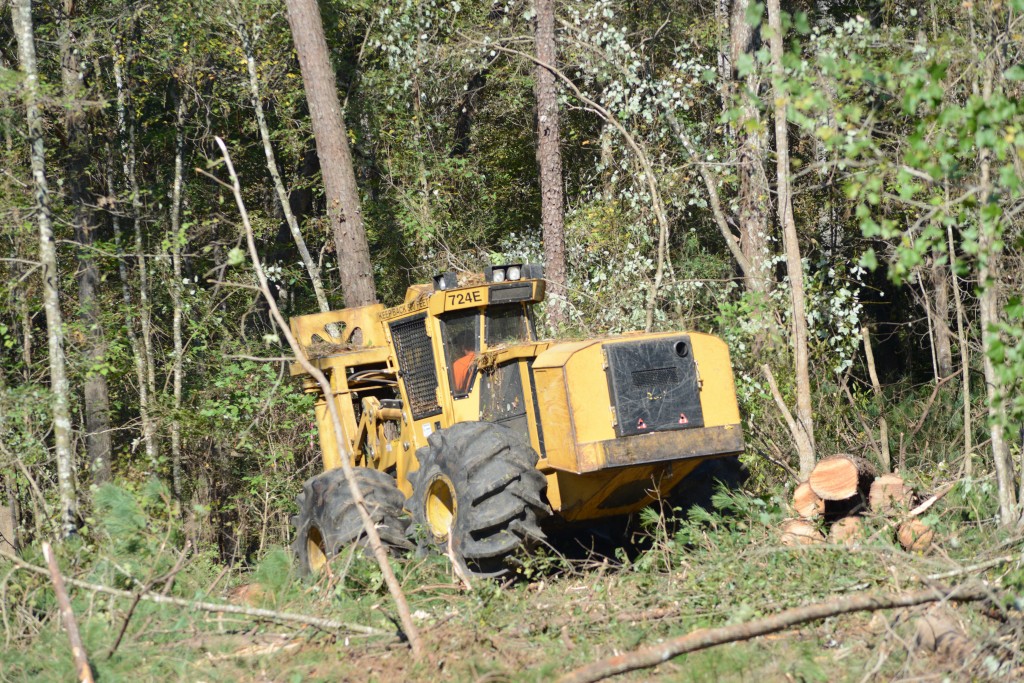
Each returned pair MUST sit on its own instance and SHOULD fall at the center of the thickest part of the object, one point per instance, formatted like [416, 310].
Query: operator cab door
[496, 393]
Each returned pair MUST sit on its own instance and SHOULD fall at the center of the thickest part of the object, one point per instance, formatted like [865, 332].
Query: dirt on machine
[469, 432]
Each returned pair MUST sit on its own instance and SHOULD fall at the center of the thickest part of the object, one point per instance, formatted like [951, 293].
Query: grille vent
[416, 364]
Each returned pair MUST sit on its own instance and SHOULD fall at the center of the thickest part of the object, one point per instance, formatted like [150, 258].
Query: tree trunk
[804, 434]
[753, 151]
[943, 335]
[989, 253]
[275, 174]
[21, 18]
[549, 160]
[97, 401]
[178, 241]
[142, 348]
[965, 361]
[318, 77]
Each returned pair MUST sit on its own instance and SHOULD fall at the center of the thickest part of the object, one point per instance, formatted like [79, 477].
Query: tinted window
[507, 325]
[461, 333]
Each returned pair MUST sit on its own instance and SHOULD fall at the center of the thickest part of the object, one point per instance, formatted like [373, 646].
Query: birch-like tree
[21, 18]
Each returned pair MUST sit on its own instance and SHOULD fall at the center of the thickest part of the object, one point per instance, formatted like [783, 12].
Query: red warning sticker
[640, 424]
[683, 419]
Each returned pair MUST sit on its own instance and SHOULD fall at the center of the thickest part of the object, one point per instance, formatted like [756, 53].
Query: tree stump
[889, 494]
[840, 477]
[915, 536]
[847, 531]
[806, 502]
[800, 532]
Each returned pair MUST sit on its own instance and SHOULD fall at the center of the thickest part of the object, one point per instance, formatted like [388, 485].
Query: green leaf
[235, 257]
[868, 260]
[801, 24]
[1014, 73]
[755, 11]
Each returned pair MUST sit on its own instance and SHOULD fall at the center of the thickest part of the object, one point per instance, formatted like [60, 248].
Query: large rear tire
[478, 490]
[328, 520]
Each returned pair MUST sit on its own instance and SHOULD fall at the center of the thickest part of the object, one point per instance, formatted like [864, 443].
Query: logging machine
[467, 429]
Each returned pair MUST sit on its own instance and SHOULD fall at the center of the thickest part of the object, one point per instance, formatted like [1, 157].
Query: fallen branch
[379, 552]
[82, 667]
[923, 507]
[702, 639]
[257, 613]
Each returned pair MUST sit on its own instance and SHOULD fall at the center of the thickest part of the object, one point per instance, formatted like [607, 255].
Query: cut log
[915, 536]
[889, 494]
[806, 502]
[840, 477]
[847, 531]
[800, 532]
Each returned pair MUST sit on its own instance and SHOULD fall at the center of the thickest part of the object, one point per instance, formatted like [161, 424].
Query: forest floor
[711, 570]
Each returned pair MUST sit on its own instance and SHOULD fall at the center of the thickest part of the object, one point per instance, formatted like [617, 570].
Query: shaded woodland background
[902, 123]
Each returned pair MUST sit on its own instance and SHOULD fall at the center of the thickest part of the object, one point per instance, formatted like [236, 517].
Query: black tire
[328, 519]
[496, 496]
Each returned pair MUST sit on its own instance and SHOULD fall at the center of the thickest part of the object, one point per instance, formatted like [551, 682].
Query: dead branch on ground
[68, 616]
[702, 639]
[254, 612]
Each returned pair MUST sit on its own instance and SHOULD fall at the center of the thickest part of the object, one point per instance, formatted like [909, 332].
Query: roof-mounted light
[446, 281]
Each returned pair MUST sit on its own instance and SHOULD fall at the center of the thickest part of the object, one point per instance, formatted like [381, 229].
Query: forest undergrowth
[679, 573]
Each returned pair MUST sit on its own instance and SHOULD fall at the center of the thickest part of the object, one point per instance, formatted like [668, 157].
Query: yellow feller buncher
[465, 426]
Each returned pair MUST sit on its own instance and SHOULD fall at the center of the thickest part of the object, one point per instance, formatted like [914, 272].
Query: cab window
[507, 325]
[461, 334]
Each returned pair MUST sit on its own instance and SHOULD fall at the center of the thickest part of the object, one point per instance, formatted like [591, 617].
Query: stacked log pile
[841, 491]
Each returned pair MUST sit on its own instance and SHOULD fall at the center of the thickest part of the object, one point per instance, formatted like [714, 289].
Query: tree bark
[804, 438]
[178, 241]
[318, 77]
[752, 153]
[97, 401]
[275, 173]
[943, 335]
[965, 362]
[21, 18]
[549, 160]
[885, 455]
[989, 257]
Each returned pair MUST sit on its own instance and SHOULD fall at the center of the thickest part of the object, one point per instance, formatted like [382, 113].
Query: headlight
[513, 272]
[498, 274]
[446, 281]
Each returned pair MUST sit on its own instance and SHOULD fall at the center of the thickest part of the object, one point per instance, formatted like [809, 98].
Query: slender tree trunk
[139, 346]
[549, 159]
[21, 18]
[178, 241]
[318, 77]
[965, 361]
[753, 151]
[804, 436]
[275, 174]
[940, 302]
[97, 401]
[989, 258]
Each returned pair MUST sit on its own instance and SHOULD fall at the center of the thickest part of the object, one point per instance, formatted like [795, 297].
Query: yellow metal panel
[718, 390]
[363, 318]
[559, 440]
[558, 354]
[589, 394]
[328, 445]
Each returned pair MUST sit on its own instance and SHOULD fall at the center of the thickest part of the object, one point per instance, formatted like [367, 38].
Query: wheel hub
[316, 550]
[441, 507]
